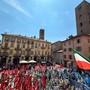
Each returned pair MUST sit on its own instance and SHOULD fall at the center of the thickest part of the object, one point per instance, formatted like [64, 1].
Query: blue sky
[26, 17]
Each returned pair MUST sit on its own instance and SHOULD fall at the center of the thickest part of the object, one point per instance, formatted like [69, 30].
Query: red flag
[10, 88]
[36, 87]
[16, 79]
[61, 66]
[18, 85]
[16, 71]
[44, 81]
[8, 71]
[2, 85]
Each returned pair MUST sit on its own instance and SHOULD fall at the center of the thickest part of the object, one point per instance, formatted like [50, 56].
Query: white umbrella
[31, 61]
[43, 62]
[23, 61]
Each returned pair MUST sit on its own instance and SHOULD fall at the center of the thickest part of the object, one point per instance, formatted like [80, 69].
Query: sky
[27, 17]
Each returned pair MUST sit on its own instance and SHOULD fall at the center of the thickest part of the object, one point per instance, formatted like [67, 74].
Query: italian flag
[82, 61]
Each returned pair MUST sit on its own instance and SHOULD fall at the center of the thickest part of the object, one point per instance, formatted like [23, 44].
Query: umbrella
[23, 61]
[31, 61]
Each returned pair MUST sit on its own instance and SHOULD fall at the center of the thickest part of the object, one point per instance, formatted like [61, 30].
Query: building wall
[55, 47]
[0, 51]
[22, 47]
[58, 57]
[83, 18]
[81, 43]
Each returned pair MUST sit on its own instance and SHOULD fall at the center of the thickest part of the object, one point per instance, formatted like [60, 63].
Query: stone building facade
[81, 43]
[17, 47]
[56, 52]
[83, 18]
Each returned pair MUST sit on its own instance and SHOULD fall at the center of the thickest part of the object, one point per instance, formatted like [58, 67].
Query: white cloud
[7, 12]
[15, 4]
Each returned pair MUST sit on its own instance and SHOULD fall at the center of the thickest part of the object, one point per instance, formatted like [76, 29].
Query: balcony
[28, 49]
[17, 54]
[17, 48]
[42, 47]
[5, 47]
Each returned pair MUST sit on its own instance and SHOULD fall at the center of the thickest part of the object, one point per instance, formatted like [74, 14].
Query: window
[64, 49]
[78, 48]
[78, 40]
[43, 45]
[18, 45]
[32, 43]
[23, 46]
[70, 56]
[69, 49]
[6, 45]
[12, 39]
[81, 24]
[5, 53]
[88, 40]
[80, 16]
[64, 56]
[24, 42]
[18, 41]
[81, 31]
[7, 39]
[32, 46]
[89, 22]
[45, 53]
[89, 49]
[12, 44]
[28, 42]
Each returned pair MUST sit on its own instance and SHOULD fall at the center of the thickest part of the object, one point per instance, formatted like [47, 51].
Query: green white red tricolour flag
[82, 61]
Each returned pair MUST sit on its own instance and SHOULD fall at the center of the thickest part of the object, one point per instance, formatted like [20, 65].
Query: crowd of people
[42, 77]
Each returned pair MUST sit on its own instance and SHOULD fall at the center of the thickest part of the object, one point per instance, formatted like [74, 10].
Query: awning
[31, 61]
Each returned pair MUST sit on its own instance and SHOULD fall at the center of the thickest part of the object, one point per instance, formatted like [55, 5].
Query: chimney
[41, 34]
